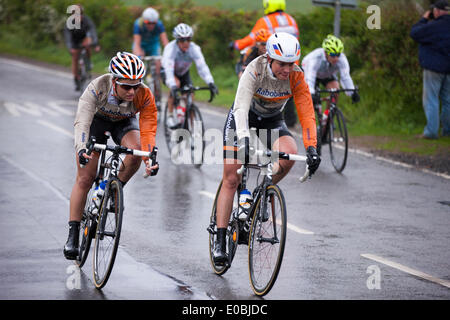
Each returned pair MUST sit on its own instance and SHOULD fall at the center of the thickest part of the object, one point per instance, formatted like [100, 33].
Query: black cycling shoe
[219, 254]
[71, 246]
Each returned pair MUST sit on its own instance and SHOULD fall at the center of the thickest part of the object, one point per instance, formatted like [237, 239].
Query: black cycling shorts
[275, 127]
[185, 79]
[118, 129]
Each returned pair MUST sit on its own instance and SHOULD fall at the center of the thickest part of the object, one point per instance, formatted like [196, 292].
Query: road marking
[289, 225]
[56, 128]
[406, 269]
[41, 181]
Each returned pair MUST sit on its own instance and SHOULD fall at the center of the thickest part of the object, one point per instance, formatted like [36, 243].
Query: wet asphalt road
[377, 231]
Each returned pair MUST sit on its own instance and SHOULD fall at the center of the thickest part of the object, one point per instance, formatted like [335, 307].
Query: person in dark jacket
[432, 32]
[76, 38]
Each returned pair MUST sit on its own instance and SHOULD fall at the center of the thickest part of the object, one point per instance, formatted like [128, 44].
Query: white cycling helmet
[182, 30]
[284, 47]
[151, 15]
[126, 65]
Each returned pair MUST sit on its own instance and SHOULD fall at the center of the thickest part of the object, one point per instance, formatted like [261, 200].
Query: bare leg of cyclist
[284, 144]
[85, 178]
[130, 163]
[75, 57]
[230, 182]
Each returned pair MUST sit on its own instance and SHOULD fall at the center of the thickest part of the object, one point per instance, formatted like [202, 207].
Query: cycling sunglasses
[334, 54]
[128, 87]
[184, 39]
[149, 22]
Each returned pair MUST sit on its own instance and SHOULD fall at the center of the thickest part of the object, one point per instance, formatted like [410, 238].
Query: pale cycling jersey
[260, 91]
[315, 65]
[176, 63]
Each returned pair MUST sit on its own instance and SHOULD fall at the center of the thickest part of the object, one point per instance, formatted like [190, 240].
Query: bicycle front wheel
[108, 232]
[267, 240]
[338, 137]
[194, 123]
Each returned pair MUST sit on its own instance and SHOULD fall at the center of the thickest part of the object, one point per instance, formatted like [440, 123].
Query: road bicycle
[102, 217]
[188, 117]
[84, 70]
[264, 229]
[333, 129]
[152, 80]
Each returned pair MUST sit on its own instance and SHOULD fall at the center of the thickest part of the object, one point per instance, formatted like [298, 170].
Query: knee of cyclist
[231, 182]
[85, 182]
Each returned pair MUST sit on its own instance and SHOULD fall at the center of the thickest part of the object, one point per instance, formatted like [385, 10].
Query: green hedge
[384, 62]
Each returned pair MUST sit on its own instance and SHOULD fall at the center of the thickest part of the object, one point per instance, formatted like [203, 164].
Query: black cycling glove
[355, 97]
[244, 150]
[83, 161]
[313, 159]
[213, 88]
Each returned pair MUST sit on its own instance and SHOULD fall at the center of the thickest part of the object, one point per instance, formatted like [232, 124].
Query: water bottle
[325, 117]
[180, 114]
[98, 194]
[245, 200]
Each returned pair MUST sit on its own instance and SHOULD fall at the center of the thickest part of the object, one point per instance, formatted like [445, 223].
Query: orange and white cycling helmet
[126, 65]
[262, 35]
[284, 47]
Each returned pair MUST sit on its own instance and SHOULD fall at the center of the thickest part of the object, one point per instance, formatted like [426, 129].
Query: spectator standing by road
[432, 32]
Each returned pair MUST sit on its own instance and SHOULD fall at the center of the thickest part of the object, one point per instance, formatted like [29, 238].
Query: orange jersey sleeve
[148, 117]
[305, 108]
[249, 40]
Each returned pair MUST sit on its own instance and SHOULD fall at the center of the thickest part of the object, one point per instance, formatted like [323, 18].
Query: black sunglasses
[128, 87]
[184, 39]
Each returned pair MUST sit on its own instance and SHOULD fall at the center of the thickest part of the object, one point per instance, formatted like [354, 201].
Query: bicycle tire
[86, 226]
[192, 128]
[338, 139]
[318, 131]
[231, 238]
[262, 243]
[108, 228]
[167, 131]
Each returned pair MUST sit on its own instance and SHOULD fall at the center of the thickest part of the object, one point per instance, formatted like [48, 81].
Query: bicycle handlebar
[117, 149]
[336, 90]
[191, 89]
[282, 155]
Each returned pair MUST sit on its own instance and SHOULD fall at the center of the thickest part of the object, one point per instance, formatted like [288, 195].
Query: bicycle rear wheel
[87, 224]
[108, 232]
[231, 238]
[267, 240]
[338, 139]
[194, 123]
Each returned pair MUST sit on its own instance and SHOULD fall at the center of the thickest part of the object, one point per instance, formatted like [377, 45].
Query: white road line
[37, 178]
[56, 128]
[289, 225]
[406, 269]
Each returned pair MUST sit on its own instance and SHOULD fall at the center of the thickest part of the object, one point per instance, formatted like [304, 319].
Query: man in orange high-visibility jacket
[275, 20]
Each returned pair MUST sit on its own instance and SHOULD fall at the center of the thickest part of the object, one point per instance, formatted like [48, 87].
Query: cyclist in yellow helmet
[322, 65]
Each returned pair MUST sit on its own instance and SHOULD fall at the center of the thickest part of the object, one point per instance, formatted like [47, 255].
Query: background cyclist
[265, 86]
[176, 62]
[110, 103]
[322, 65]
[148, 32]
[77, 38]
[250, 54]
